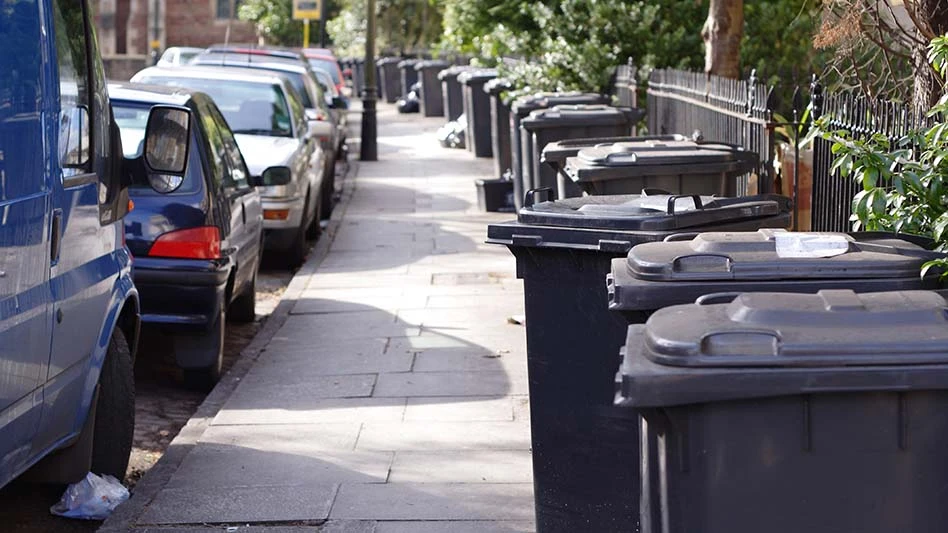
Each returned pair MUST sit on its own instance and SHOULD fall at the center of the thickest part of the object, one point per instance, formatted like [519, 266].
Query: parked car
[277, 141]
[318, 104]
[178, 55]
[339, 109]
[319, 58]
[197, 239]
[69, 316]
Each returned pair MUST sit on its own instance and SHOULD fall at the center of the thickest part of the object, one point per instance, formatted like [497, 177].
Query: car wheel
[243, 310]
[209, 346]
[115, 410]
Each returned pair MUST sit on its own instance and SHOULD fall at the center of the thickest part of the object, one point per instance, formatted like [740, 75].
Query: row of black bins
[808, 411]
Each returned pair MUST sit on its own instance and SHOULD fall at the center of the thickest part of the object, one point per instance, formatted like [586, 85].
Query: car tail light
[192, 243]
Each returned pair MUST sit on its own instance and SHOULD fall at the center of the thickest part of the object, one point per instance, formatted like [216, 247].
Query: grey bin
[584, 470]
[358, 76]
[569, 121]
[520, 108]
[657, 275]
[408, 74]
[679, 166]
[451, 91]
[432, 98]
[477, 110]
[784, 413]
[499, 124]
[390, 79]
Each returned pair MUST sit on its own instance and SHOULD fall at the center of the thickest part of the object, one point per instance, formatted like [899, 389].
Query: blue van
[69, 313]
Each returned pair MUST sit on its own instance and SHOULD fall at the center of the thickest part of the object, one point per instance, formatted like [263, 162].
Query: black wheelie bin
[570, 121]
[584, 471]
[499, 124]
[520, 109]
[389, 79]
[408, 74]
[477, 110]
[786, 413]
[432, 98]
[451, 91]
[681, 166]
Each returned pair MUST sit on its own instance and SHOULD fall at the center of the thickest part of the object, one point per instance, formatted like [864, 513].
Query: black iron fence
[741, 112]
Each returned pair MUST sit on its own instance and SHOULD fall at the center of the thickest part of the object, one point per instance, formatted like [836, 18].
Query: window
[223, 8]
[73, 61]
[239, 177]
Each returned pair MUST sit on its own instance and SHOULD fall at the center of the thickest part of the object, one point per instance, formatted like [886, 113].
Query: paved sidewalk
[393, 396]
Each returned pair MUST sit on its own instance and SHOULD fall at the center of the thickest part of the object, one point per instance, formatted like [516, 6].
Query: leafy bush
[904, 183]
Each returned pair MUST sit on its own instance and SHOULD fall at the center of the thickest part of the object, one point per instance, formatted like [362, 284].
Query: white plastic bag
[92, 498]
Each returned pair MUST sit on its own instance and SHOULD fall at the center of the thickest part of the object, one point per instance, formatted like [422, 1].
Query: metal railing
[718, 109]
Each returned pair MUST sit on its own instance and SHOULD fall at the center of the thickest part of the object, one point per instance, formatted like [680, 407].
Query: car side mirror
[273, 176]
[166, 146]
[339, 102]
[320, 128]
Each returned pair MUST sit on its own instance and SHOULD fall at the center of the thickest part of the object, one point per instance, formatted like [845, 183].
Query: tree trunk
[927, 87]
[722, 34]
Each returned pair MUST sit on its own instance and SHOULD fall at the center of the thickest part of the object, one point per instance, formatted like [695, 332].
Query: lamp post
[369, 146]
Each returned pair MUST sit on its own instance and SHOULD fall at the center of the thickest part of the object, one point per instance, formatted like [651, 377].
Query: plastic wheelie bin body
[407, 74]
[520, 109]
[477, 110]
[390, 79]
[499, 124]
[570, 121]
[432, 98]
[679, 166]
[584, 475]
[787, 413]
[451, 91]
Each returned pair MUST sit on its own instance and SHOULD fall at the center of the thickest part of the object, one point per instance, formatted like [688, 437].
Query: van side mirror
[339, 102]
[167, 138]
[273, 176]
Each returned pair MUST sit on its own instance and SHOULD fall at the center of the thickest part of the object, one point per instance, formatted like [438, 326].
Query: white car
[177, 56]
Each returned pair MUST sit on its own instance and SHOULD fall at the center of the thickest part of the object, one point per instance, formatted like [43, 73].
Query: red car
[322, 59]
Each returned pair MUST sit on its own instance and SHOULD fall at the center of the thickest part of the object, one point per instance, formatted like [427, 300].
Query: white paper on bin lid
[654, 202]
[790, 245]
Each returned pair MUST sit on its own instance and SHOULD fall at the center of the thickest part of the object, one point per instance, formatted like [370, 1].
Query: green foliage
[347, 30]
[402, 26]
[273, 20]
[904, 183]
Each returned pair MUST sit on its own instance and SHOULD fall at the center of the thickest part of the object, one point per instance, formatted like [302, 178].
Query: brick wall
[195, 23]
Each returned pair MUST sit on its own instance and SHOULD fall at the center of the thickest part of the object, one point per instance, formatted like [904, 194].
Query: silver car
[276, 139]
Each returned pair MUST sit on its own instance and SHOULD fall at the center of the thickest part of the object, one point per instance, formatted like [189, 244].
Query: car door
[24, 233]
[247, 228]
[311, 149]
[84, 263]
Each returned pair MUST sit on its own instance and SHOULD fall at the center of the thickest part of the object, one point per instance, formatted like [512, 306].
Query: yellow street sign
[307, 9]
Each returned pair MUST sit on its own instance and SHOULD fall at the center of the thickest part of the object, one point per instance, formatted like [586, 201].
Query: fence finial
[751, 93]
[816, 98]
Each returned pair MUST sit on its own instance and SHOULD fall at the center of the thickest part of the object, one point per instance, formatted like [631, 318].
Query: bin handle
[530, 197]
[717, 298]
[686, 236]
[674, 198]
[654, 191]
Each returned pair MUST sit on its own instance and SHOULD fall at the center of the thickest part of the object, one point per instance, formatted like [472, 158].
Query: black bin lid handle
[530, 197]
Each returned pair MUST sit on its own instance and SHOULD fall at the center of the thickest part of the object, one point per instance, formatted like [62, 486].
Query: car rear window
[252, 108]
[327, 65]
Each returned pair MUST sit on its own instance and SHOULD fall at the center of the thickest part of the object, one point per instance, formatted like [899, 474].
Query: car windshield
[131, 121]
[326, 65]
[253, 108]
[296, 78]
[325, 81]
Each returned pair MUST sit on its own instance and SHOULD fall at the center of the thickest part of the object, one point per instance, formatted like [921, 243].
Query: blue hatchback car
[197, 237]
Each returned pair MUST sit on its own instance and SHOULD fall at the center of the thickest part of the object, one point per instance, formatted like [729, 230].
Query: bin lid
[523, 105]
[406, 63]
[454, 71]
[431, 64]
[388, 61]
[677, 151]
[831, 328]
[469, 77]
[497, 86]
[774, 254]
[556, 152]
[565, 115]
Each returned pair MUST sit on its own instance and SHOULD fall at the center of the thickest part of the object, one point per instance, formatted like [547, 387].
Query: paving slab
[434, 436]
[451, 384]
[317, 411]
[480, 466]
[435, 501]
[456, 526]
[241, 504]
[480, 409]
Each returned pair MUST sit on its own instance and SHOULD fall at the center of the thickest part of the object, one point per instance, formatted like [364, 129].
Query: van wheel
[243, 310]
[115, 410]
[209, 346]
